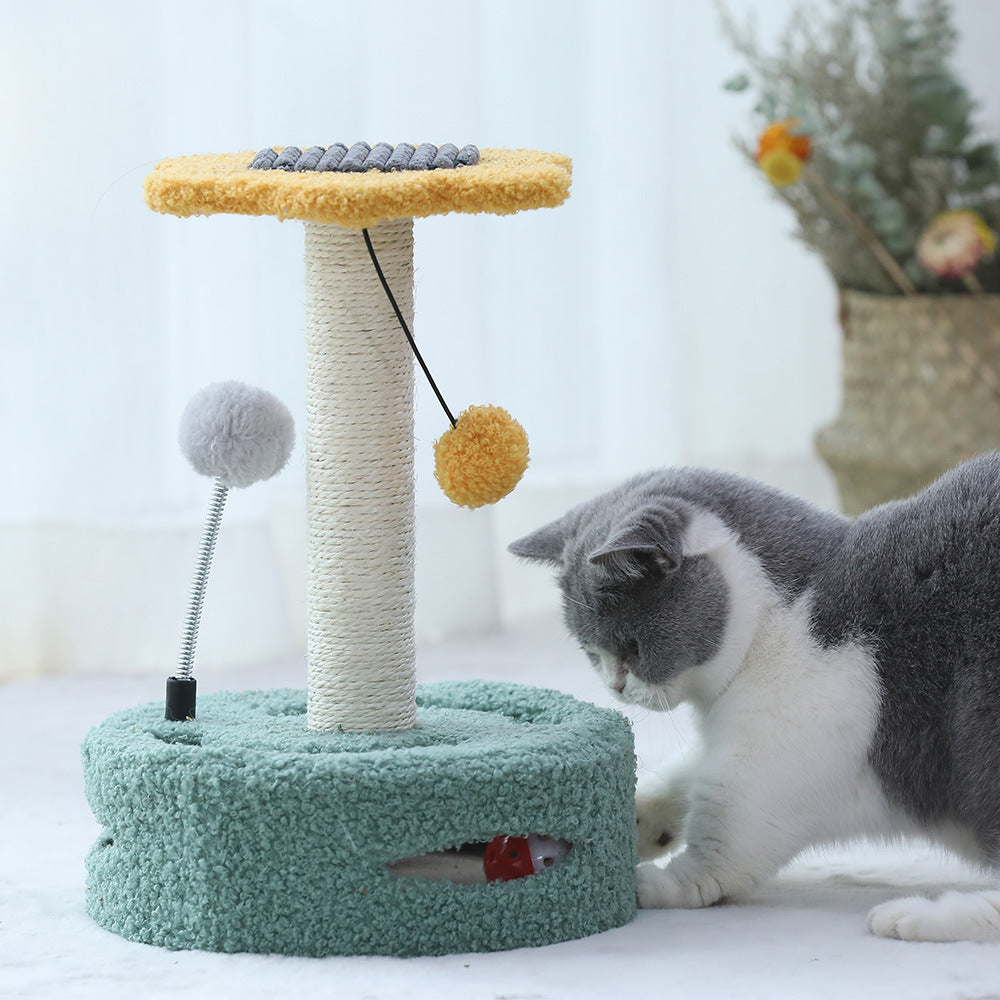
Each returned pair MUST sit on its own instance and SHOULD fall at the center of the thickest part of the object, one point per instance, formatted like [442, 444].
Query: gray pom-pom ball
[237, 433]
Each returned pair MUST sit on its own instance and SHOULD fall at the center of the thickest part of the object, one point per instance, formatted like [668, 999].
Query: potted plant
[865, 131]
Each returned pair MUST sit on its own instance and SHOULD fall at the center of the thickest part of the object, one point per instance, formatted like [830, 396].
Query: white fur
[953, 916]
[662, 803]
[786, 726]
[706, 534]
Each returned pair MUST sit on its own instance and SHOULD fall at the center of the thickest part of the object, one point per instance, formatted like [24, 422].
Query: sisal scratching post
[316, 822]
[359, 480]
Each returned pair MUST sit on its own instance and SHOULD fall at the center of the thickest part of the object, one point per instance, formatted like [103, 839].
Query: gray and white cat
[845, 675]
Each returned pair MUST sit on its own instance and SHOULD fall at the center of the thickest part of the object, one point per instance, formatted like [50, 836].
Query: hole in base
[501, 860]
[463, 865]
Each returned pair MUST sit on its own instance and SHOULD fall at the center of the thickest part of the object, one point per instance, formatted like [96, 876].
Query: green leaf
[858, 157]
[737, 83]
[867, 188]
[891, 40]
[981, 178]
[983, 155]
[890, 223]
[947, 140]
[942, 99]
[767, 107]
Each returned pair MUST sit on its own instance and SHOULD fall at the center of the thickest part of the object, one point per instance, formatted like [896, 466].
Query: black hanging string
[406, 329]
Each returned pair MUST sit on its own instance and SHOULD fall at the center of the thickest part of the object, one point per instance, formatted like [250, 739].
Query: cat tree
[280, 820]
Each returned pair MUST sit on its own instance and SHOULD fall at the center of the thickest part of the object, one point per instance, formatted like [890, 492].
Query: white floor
[801, 937]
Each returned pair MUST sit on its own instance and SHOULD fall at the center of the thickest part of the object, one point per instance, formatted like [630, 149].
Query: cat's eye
[630, 650]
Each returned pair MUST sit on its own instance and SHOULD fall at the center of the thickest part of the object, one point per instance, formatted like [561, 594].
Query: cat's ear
[650, 537]
[547, 544]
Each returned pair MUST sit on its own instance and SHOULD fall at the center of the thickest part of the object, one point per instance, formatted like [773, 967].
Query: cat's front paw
[661, 807]
[675, 887]
[659, 825]
[953, 916]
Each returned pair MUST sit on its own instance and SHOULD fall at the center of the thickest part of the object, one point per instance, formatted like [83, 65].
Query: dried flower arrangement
[869, 136]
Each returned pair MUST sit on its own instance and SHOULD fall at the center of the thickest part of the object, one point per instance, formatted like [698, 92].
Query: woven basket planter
[921, 392]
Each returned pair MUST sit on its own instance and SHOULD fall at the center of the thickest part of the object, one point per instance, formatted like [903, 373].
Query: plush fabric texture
[244, 831]
[504, 181]
[482, 458]
[237, 433]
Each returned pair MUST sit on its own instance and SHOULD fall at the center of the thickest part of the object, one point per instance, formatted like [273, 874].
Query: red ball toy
[514, 857]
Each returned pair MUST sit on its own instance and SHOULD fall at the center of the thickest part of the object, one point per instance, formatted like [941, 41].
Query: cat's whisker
[662, 700]
[683, 738]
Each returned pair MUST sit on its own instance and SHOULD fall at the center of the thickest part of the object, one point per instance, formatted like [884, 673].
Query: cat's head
[641, 594]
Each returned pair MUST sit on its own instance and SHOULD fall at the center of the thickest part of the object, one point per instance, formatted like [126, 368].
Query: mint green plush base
[244, 831]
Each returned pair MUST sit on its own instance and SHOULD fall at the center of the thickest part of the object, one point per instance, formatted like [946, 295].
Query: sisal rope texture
[359, 480]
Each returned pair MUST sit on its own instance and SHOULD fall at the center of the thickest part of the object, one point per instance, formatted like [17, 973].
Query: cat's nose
[618, 683]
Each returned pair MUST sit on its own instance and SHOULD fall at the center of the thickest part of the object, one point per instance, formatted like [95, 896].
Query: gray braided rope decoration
[361, 157]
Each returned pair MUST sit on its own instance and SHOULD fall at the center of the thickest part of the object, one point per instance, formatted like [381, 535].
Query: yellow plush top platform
[504, 181]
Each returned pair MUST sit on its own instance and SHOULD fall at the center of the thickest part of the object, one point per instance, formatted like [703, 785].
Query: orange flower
[779, 135]
[781, 153]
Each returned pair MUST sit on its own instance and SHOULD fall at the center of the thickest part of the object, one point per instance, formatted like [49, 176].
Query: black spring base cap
[181, 693]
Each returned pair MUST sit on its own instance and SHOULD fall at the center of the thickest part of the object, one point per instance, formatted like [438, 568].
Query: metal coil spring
[361, 157]
[217, 505]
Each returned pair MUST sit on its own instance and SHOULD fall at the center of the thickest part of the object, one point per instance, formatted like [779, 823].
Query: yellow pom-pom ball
[482, 458]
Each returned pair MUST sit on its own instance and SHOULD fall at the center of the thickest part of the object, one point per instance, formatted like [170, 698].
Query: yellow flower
[482, 458]
[781, 152]
[987, 235]
[781, 166]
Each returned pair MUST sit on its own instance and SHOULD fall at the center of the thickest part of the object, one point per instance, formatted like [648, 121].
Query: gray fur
[916, 581]
[625, 584]
[920, 580]
[790, 537]
[236, 433]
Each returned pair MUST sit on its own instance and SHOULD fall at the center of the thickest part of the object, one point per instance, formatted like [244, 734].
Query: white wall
[662, 315]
